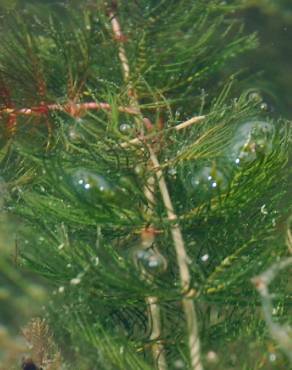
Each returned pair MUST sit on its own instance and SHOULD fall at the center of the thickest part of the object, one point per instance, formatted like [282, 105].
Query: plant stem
[191, 121]
[181, 255]
[68, 107]
[281, 333]
[154, 316]
[83, 107]
[158, 351]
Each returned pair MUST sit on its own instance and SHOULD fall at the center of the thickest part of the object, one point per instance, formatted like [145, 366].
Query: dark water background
[271, 63]
[267, 69]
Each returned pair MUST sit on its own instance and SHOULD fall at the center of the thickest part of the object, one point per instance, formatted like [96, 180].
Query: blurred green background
[267, 69]
[270, 65]
[21, 296]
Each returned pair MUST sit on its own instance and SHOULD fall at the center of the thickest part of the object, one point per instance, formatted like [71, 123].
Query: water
[273, 58]
[269, 79]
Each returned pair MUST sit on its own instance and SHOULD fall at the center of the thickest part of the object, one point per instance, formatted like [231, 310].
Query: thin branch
[289, 237]
[138, 141]
[154, 315]
[182, 260]
[83, 107]
[120, 38]
[282, 334]
[158, 350]
[189, 122]
[69, 107]
[181, 255]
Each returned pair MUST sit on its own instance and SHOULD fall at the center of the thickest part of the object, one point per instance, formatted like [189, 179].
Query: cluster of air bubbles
[150, 261]
[255, 96]
[252, 140]
[265, 100]
[207, 181]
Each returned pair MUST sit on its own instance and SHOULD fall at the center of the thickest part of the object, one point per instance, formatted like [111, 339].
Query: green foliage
[79, 191]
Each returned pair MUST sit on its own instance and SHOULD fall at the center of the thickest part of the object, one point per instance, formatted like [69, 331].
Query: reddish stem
[71, 108]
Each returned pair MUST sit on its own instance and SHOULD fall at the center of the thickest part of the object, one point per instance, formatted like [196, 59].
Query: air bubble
[207, 182]
[272, 357]
[252, 140]
[125, 128]
[172, 171]
[150, 261]
[264, 107]
[205, 257]
[61, 289]
[92, 186]
[255, 96]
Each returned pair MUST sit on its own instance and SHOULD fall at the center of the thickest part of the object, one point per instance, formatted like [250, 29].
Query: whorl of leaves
[83, 242]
